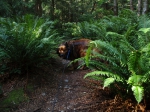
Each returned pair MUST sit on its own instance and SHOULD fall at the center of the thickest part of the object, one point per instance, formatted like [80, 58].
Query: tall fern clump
[93, 29]
[97, 29]
[123, 63]
[25, 42]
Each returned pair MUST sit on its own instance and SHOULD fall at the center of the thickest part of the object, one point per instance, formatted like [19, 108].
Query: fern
[103, 73]
[108, 81]
[138, 92]
[133, 62]
[125, 60]
[145, 30]
[92, 30]
[26, 42]
[87, 57]
[112, 52]
[143, 22]
[135, 80]
[125, 52]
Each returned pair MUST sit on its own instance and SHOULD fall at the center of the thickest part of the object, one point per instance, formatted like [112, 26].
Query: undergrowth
[123, 64]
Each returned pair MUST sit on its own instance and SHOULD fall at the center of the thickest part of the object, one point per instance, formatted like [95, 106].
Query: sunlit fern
[124, 59]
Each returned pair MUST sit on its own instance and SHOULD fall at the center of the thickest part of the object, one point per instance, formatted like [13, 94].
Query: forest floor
[62, 90]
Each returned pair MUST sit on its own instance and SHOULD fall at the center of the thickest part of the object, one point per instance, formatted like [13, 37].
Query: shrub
[25, 42]
[92, 30]
[126, 63]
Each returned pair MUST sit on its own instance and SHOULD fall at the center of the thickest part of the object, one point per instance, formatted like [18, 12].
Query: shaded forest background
[71, 10]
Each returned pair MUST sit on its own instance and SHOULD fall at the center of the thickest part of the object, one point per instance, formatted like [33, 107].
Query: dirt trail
[57, 90]
[72, 96]
[69, 92]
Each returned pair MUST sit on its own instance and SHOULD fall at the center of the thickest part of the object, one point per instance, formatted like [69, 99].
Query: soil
[57, 89]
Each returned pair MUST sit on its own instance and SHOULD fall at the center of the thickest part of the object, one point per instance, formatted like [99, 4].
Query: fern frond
[143, 36]
[133, 62]
[145, 30]
[138, 92]
[92, 30]
[135, 80]
[144, 22]
[27, 41]
[103, 73]
[98, 65]
[108, 81]
[88, 55]
[146, 49]
[108, 48]
[125, 46]
[146, 77]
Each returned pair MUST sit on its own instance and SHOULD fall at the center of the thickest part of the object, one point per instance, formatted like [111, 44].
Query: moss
[14, 98]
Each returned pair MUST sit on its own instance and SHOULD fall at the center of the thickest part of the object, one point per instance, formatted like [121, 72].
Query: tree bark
[145, 7]
[131, 5]
[94, 5]
[52, 9]
[139, 10]
[38, 7]
[72, 13]
[116, 7]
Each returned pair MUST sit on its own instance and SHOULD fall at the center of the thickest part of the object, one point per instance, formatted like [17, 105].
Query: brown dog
[73, 49]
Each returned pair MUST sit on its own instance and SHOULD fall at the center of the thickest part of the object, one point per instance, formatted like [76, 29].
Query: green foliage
[129, 14]
[92, 30]
[123, 62]
[123, 24]
[118, 24]
[108, 81]
[26, 42]
[144, 21]
[68, 30]
[15, 97]
[5, 7]
[103, 73]
[138, 93]
[137, 88]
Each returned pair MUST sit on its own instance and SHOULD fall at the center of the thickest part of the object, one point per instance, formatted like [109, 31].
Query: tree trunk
[139, 10]
[94, 5]
[131, 5]
[52, 9]
[145, 7]
[71, 14]
[24, 7]
[38, 7]
[116, 7]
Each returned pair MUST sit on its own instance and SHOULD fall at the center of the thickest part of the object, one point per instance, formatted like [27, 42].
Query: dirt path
[68, 92]
[72, 96]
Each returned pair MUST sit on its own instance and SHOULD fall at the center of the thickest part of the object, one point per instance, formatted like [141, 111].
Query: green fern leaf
[108, 81]
[104, 73]
[96, 78]
[138, 92]
[145, 77]
[135, 80]
[87, 57]
[144, 30]
[114, 34]
[146, 48]
[133, 62]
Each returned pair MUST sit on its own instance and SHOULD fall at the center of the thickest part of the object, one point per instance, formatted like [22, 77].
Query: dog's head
[62, 50]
